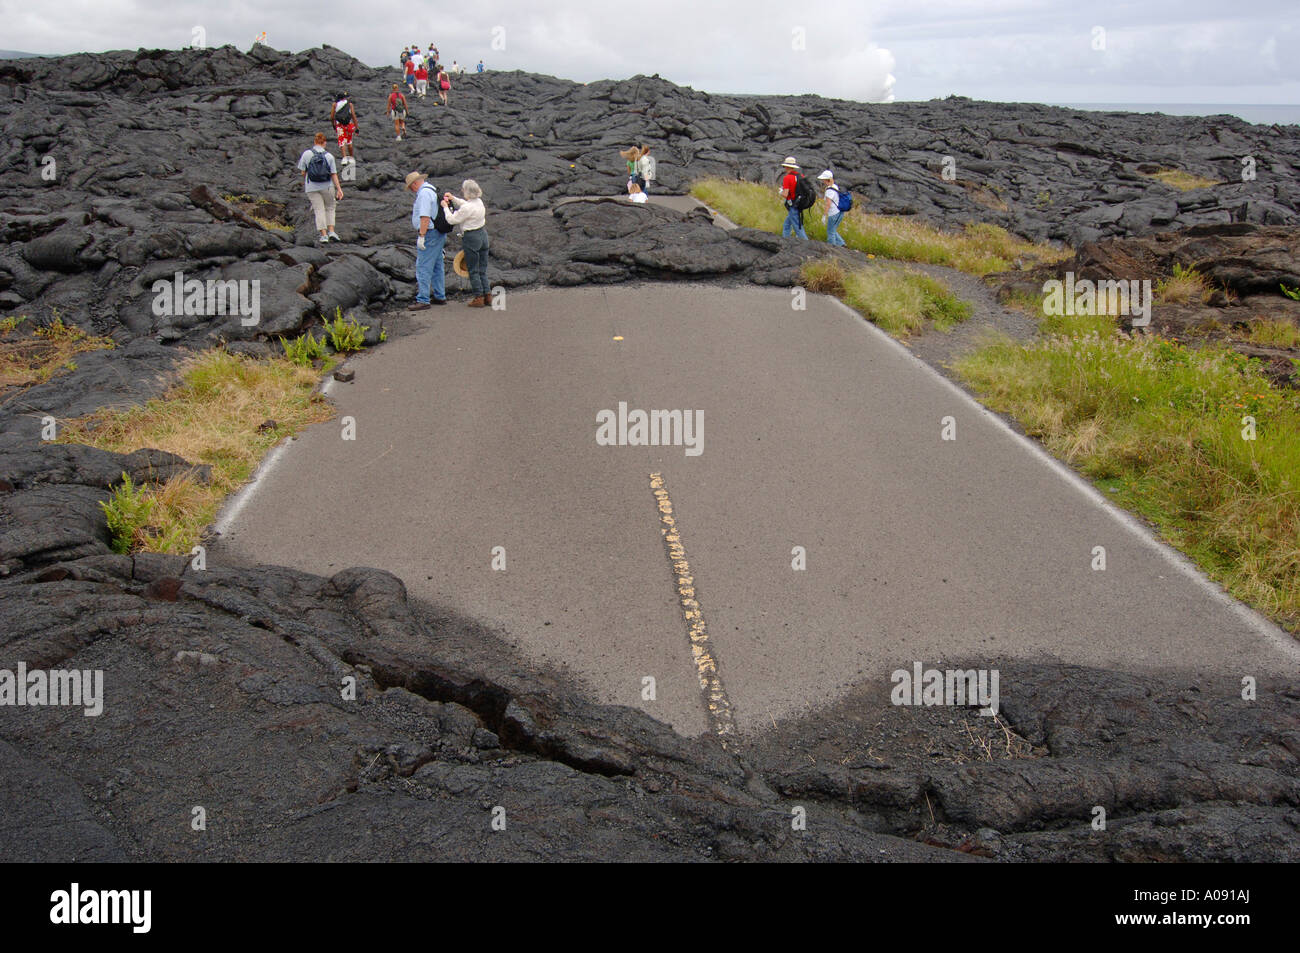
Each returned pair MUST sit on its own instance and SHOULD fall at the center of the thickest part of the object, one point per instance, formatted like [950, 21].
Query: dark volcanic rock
[138, 181]
[1245, 266]
[1184, 769]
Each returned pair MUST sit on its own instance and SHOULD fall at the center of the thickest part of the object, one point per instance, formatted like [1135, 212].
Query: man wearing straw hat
[429, 275]
[790, 193]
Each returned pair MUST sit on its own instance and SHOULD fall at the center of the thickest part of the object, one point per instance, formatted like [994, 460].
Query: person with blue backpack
[320, 180]
[838, 201]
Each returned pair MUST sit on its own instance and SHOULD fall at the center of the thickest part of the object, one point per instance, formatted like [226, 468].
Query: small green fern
[127, 512]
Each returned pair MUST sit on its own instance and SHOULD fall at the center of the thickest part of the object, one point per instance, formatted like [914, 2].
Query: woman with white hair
[470, 214]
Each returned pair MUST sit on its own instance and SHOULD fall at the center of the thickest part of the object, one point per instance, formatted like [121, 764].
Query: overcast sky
[1104, 51]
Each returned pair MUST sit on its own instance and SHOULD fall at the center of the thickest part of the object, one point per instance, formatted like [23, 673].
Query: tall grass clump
[215, 415]
[1199, 442]
[897, 300]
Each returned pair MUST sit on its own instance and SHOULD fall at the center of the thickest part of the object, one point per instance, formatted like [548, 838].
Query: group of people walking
[799, 196]
[418, 68]
[435, 214]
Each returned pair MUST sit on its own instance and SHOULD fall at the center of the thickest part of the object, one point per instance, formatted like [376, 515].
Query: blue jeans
[475, 244]
[428, 267]
[793, 223]
[832, 235]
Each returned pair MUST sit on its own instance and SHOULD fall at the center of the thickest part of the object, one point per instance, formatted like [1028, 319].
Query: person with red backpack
[397, 111]
[798, 195]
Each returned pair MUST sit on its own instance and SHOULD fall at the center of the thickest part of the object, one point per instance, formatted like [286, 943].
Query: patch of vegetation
[213, 415]
[989, 196]
[824, 276]
[346, 335]
[978, 249]
[1292, 293]
[1164, 429]
[33, 358]
[1183, 287]
[1026, 302]
[267, 213]
[1078, 325]
[1274, 332]
[127, 512]
[899, 301]
[1181, 180]
[304, 349]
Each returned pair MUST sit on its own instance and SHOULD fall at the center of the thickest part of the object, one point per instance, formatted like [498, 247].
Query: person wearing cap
[429, 274]
[789, 184]
[832, 214]
[471, 215]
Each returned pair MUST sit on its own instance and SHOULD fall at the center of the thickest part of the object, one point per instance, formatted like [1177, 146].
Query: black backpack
[804, 196]
[440, 218]
[318, 167]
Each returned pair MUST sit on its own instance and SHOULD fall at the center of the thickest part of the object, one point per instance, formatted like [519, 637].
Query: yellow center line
[716, 703]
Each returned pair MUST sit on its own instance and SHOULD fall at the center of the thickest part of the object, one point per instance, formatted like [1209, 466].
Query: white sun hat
[790, 163]
[825, 175]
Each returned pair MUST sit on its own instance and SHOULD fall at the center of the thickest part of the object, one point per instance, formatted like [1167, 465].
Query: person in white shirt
[634, 192]
[832, 215]
[471, 215]
[645, 168]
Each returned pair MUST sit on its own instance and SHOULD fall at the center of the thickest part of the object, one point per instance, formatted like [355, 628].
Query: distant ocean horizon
[1265, 113]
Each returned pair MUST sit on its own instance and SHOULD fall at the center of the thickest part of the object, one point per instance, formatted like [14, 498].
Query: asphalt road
[819, 432]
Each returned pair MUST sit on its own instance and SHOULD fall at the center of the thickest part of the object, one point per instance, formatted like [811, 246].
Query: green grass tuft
[1162, 426]
[899, 301]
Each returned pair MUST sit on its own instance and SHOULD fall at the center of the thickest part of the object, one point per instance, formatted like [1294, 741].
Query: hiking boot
[420, 306]
[478, 301]
[439, 300]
